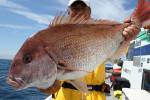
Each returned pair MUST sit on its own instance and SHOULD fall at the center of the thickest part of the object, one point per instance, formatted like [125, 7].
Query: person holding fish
[72, 50]
[96, 79]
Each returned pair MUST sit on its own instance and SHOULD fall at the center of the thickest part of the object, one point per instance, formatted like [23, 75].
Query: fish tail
[141, 15]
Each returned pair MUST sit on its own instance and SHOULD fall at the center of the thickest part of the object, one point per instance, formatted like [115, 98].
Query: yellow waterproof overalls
[97, 77]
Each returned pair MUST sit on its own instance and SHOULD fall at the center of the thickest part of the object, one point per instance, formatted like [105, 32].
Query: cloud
[63, 2]
[14, 26]
[110, 9]
[23, 27]
[33, 16]
[12, 5]
[24, 11]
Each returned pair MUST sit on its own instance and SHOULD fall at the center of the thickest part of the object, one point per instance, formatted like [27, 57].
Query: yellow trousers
[70, 94]
[97, 77]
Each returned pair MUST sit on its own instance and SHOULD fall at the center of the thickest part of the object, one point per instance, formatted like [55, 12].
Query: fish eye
[27, 58]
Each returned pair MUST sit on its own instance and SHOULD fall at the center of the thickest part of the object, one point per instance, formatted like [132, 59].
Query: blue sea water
[8, 93]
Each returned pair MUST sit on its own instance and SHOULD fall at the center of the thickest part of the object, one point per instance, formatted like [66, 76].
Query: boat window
[148, 60]
[141, 64]
[146, 80]
[138, 43]
[130, 52]
[148, 35]
[137, 61]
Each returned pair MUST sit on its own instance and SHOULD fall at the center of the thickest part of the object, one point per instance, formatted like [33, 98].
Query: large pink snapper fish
[70, 48]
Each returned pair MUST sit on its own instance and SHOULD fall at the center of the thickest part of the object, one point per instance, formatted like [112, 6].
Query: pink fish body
[69, 49]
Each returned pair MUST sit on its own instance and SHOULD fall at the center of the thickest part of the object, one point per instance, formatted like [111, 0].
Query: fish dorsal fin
[64, 18]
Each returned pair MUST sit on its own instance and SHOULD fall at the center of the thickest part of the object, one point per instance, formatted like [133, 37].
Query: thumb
[127, 20]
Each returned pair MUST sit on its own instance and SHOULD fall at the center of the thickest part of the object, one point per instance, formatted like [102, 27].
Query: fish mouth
[16, 82]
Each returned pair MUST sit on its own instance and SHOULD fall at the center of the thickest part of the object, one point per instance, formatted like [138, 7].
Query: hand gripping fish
[70, 48]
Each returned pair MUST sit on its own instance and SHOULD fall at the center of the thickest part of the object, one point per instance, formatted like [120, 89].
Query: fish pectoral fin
[62, 64]
[81, 86]
[56, 56]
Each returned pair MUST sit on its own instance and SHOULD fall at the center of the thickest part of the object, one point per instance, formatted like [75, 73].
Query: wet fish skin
[83, 51]
[79, 52]
[68, 51]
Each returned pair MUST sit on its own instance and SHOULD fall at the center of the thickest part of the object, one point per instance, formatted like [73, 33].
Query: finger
[129, 33]
[128, 30]
[134, 29]
[127, 20]
[125, 35]
[134, 26]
